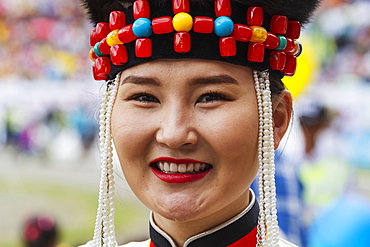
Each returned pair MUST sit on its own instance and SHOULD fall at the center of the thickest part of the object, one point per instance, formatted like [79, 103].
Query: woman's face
[186, 136]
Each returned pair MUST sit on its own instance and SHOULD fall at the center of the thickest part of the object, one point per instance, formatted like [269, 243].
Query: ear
[282, 113]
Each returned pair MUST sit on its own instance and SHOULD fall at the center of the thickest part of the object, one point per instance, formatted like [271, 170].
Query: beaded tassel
[268, 232]
[104, 233]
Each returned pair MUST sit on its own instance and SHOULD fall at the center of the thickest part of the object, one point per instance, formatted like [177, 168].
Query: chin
[181, 210]
[180, 215]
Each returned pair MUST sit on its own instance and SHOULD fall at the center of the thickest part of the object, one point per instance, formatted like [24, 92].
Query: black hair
[276, 85]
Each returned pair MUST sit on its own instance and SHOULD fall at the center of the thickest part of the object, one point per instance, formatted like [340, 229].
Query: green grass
[74, 209]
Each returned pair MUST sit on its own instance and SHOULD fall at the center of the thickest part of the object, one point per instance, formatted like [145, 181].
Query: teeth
[202, 166]
[161, 166]
[166, 167]
[173, 167]
[190, 167]
[182, 168]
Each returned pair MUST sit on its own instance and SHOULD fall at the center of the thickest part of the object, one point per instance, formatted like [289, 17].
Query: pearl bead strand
[104, 233]
[267, 229]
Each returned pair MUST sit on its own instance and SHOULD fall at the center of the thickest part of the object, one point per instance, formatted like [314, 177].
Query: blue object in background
[359, 149]
[344, 223]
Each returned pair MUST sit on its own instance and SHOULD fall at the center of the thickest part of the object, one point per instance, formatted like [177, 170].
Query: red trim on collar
[248, 240]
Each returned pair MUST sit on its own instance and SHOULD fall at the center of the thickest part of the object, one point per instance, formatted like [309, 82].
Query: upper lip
[176, 161]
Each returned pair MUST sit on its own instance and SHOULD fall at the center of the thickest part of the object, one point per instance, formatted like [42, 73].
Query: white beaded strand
[110, 177]
[104, 233]
[267, 229]
[98, 225]
[261, 217]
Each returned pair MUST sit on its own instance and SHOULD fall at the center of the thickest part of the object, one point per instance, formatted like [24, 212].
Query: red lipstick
[178, 177]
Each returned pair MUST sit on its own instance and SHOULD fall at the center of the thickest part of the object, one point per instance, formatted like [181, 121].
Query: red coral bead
[126, 35]
[102, 30]
[96, 77]
[141, 9]
[222, 8]
[104, 47]
[272, 41]
[255, 16]
[279, 24]
[203, 24]
[117, 19]
[293, 30]
[180, 6]
[242, 33]
[143, 47]
[256, 52]
[182, 42]
[227, 46]
[162, 25]
[290, 65]
[93, 38]
[118, 54]
[102, 66]
[290, 46]
[277, 60]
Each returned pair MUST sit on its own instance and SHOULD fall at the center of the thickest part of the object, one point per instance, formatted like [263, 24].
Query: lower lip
[177, 178]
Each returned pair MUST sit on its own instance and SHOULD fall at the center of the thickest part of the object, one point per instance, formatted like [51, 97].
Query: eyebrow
[140, 80]
[211, 80]
[219, 79]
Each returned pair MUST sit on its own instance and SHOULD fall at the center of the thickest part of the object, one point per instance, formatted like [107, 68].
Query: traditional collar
[239, 231]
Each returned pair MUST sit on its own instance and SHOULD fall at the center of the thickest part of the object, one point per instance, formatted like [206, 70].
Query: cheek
[234, 138]
[130, 133]
[234, 131]
[131, 137]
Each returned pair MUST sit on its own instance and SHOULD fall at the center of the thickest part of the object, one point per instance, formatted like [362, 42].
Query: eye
[144, 97]
[211, 97]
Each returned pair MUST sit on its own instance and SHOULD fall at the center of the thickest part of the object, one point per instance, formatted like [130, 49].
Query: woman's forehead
[165, 68]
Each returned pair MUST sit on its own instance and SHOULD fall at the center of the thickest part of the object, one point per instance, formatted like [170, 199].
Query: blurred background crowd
[48, 103]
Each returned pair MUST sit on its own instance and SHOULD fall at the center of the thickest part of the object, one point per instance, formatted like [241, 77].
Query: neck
[182, 231]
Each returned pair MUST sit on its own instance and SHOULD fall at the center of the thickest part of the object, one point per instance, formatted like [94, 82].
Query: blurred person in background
[193, 118]
[40, 231]
[324, 172]
[86, 126]
[336, 214]
[314, 118]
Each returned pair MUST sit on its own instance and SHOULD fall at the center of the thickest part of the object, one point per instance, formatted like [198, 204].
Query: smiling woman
[195, 108]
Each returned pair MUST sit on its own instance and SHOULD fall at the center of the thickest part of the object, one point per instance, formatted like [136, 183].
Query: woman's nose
[176, 129]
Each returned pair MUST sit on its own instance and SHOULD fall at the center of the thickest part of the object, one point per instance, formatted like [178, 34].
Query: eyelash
[216, 97]
[139, 97]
